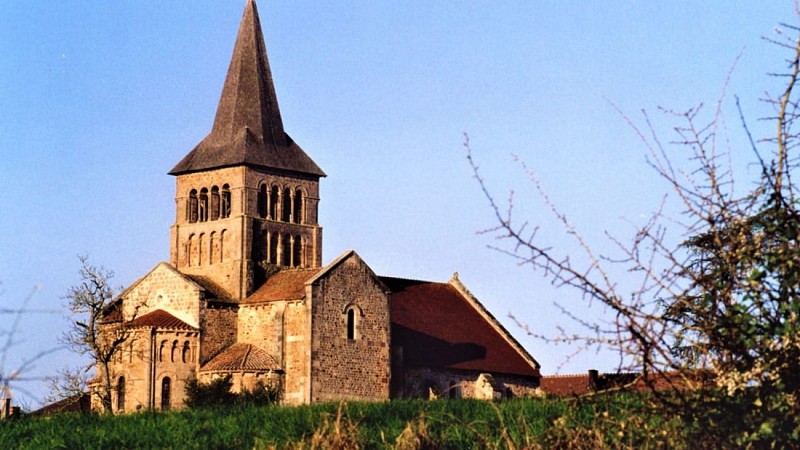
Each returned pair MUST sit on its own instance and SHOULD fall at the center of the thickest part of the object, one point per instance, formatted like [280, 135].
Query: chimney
[594, 380]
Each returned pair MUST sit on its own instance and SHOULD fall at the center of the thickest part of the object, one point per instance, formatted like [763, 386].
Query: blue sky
[98, 100]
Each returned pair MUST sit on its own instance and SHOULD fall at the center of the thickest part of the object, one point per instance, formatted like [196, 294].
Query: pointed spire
[248, 97]
[248, 129]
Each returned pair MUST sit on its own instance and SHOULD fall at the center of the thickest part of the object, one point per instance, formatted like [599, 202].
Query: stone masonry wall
[277, 219]
[226, 250]
[342, 368]
[220, 324]
[133, 363]
[296, 352]
[177, 359]
[262, 325]
[164, 289]
[213, 248]
[445, 383]
[144, 361]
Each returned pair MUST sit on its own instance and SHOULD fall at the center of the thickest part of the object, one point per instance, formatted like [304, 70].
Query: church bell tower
[247, 195]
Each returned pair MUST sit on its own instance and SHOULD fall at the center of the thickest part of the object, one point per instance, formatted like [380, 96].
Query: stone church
[246, 293]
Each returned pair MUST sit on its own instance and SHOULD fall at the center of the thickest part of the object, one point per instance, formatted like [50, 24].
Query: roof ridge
[566, 375]
[412, 279]
[248, 349]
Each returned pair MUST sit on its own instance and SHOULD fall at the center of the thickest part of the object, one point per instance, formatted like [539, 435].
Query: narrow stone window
[213, 248]
[351, 323]
[286, 251]
[273, 203]
[215, 203]
[121, 394]
[202, 205]
[186, 353]
[298, 206]
[191, 207]
[174, 351]
[297, 257]
[262, 201]
[166, 393]
[161, 351]
[201, 250]
[286, 206]
[273, 248]
[190, 249]
[225, 205]
[222, 245]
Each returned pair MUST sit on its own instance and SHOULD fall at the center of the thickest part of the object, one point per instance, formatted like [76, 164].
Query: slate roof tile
[248, 129]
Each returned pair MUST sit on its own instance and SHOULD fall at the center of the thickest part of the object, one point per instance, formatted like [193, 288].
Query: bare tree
[12, 375]
[724, 298]
[67, 383]
[99, 329]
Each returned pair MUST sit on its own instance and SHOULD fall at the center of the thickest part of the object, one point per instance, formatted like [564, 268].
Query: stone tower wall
[225, 251]
[212, 249]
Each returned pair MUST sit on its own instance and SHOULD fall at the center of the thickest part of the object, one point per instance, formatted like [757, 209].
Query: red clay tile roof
[437, 327]
[288, 284]
[248, 129]
[160, 319]
[239, 357]
[568, 385]
[81, 403]
[565, 385]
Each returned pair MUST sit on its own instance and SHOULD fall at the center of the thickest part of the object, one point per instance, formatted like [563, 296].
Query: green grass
[459, 424]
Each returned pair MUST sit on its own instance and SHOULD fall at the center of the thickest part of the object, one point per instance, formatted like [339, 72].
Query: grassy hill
[462, 424]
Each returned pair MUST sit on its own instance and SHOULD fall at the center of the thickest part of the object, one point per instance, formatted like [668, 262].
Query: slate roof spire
[248, 128]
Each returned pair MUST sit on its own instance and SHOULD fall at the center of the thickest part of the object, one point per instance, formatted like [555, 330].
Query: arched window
[121, 394]
[214, 203]
[185, 353]
[166, 393]
[273, 248]
[202, 208]
[222, 245]
[262, 201]
[174, 351]
[213, 248]
[286, 205]
[298, 206]
[298, 252]
[191, 248]
[191, 207]
[351, 323]
[201, 250]
[286, 251]
[225, 205]
[273, 203]
[161, 351]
